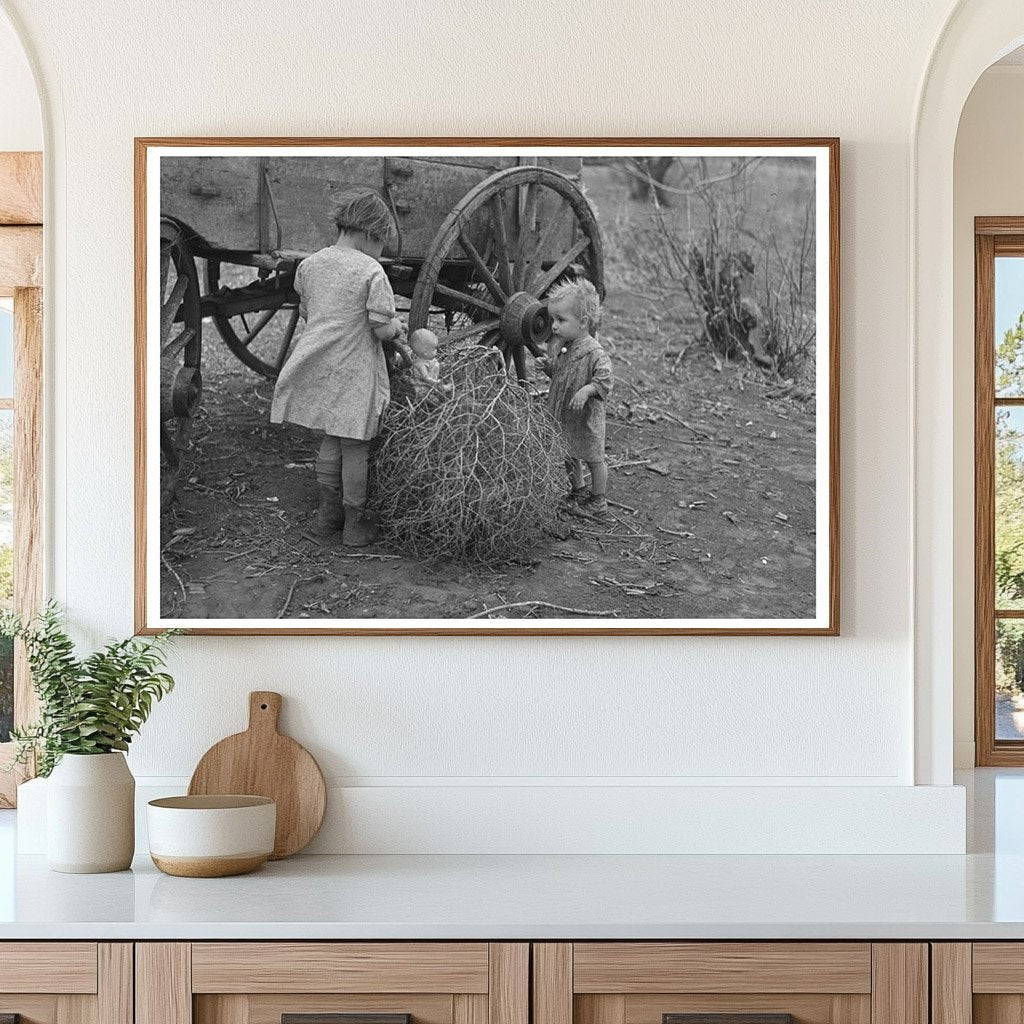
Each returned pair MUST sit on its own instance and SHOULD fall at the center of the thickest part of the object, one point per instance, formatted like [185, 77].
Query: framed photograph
[487, 386]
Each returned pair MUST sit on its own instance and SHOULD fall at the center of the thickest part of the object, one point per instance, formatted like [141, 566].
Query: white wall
[21, 126]
[390, 713]
[987, 182]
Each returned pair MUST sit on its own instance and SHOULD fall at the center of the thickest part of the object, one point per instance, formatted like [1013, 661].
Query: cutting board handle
[264, 710]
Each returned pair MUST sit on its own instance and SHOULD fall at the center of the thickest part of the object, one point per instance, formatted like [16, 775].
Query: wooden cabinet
[512, 983]
[264, 982]
[755, 982]
[66, 982]
[977, 982]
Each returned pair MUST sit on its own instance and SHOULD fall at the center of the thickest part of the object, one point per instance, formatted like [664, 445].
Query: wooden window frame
[21, 273]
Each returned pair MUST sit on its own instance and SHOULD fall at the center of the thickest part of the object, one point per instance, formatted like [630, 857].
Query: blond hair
[363, 209]
[584, 298]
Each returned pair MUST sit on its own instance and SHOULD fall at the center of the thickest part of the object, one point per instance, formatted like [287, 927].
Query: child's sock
[328, 463]
[354, 469]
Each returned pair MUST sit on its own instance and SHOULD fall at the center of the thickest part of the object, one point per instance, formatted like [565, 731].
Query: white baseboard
[526, 819]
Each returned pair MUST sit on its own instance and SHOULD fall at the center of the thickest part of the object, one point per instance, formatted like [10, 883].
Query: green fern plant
[90, 705]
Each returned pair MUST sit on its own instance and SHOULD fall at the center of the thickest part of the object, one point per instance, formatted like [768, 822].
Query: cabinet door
[332, 983]
[978, 983]
[730, 983]
[66, 982]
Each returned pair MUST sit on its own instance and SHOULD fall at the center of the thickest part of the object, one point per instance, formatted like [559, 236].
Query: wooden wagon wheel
[497, 255]
[259, 320]
[181, 348]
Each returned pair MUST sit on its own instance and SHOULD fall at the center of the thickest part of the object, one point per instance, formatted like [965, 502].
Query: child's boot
[330, 513]
[595, 505]
[360, 527]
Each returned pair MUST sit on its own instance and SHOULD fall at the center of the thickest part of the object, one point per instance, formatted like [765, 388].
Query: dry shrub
[742, 255]
[476, 474]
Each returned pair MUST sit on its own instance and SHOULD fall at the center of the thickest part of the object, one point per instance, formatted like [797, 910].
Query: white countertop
[977, 896]
[517, 897]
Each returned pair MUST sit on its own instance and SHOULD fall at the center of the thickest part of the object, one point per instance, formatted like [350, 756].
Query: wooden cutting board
[262, 762]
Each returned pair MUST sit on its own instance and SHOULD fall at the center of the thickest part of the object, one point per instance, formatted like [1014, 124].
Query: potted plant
[89, 710]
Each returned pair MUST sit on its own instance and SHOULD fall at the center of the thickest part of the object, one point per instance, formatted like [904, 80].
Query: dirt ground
[712, 476]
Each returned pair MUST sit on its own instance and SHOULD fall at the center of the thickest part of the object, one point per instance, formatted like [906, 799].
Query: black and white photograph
[403, 386]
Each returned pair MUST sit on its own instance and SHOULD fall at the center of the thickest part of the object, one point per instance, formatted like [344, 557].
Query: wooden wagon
[481, 241]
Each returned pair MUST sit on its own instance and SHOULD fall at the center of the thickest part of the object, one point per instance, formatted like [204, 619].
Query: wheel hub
[525, 320]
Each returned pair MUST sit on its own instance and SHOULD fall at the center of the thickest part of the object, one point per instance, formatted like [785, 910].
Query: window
[999, 490]
[6, 511]
[21, 365]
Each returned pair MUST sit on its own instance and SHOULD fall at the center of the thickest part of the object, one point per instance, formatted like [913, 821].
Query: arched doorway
[976, 34]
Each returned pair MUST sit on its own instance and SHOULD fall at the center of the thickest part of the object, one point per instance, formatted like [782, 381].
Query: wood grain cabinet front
[730, 983]
[66, 982]
[332, 983]
[978, 982]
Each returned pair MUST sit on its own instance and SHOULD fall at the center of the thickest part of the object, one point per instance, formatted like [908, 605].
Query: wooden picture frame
[263, 244]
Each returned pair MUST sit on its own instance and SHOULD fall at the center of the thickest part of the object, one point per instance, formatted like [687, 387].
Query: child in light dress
[336, 380]
[581, 379]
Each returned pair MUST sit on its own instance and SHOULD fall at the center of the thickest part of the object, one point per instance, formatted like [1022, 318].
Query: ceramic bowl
[211, 836]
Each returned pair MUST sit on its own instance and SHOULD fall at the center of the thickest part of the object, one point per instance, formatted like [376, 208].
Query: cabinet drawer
[634, 967]
[332, 983]
[730, 983]
[65, 967]
[340, 967]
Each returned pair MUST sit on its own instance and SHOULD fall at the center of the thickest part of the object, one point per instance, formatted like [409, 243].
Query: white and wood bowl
[211, 836]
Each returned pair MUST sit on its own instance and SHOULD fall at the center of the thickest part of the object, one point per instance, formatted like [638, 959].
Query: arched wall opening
[989, 153]
[976, 35]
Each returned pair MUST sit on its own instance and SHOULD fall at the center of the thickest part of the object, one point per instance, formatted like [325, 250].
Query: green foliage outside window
[1009, 511]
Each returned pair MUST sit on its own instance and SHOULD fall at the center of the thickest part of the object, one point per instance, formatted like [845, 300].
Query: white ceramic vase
[90, 814]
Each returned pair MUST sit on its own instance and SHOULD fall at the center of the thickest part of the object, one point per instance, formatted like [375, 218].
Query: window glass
[1009, 679]
[1009, 327]
[1009, 512]
[6, 567]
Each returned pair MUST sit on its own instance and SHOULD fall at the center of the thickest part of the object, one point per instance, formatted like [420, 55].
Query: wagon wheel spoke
[165, 269]
[482, 269]
[255, 316]
[473, 300]
[545, 240]
[174, 347]
[171, 306]
[519, 358]
[180, 355]
[526, 229]
[500, 233]
[478, 328]
[262, 322]
[506, 353]
[555, 272]
[286, 341]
